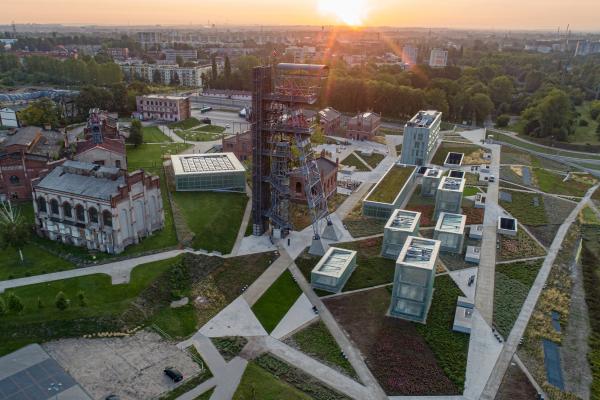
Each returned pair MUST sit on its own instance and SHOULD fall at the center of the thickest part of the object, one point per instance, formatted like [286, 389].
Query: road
[236, 123]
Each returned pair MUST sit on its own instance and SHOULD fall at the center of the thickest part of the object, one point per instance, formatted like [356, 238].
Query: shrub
[82, 299]
[61, 301]
[583, 122]
[502, 121]
[14, 303]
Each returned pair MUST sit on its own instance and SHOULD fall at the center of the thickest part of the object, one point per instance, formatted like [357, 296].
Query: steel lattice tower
[278, 125]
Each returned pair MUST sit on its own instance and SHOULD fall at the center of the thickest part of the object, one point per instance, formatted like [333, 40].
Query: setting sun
[350, 12]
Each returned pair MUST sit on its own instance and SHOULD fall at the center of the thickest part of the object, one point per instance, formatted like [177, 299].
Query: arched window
[14, 179]
[41, 203]
[80, 213]
[93, 214]
[54, 206]
[107, 218]
[67, 209]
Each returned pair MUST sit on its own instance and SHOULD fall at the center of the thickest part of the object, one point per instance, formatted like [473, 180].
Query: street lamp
[54, 387]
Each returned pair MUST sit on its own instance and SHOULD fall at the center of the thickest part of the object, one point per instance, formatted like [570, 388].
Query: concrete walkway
[299, 315]
[353, 354]
[491, 388]
[237, 319]
[119, 271]
[259, 286]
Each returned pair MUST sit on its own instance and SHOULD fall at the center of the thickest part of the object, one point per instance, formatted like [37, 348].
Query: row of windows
[77, 213]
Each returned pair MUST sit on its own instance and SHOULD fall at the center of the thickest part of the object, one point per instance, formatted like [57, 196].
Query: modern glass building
[399, 227]
[450, 231]
[390, 193]
[208, 172]
[414, 278]
[431, 181]
[449, 196]
[421, 135]
[333, 270]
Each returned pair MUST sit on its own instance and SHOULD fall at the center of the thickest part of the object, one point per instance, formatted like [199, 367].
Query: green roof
[388, 188]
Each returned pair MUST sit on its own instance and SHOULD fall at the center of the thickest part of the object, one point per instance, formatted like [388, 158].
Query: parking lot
[131, 367]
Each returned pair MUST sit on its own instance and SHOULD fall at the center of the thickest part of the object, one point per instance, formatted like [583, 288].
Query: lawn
[359, 225]
[258, 383]
[214, 218]
[316, 341]
[388, 188]
[588, 216]
[373, 160]
[150, 156]
[353, 161]
[540, 149]
[551, 182]
[584, 134]
[473, 154]
[152, 134]
[198, 136]
[470, 191]
[177, 322]
[524, 209]
[590, 261]
[40, 320]
[185, 124]
[276, 301]
[513, 282]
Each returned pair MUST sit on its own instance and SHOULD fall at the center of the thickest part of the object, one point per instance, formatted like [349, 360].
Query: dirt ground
[130, 367]
[515, 385]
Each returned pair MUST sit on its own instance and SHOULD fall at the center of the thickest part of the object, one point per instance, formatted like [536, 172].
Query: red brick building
[25, 154]
[363, 126]
[103, 143]
[240, 145]
[330, 120]
[328, 170]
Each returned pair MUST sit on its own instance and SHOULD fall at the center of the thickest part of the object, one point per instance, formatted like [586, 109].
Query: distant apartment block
[409, 54]
[101, 208]
[187, 55]
[118, 53]
[163, 108]
[330, 120]
[421, 134]
[587, 47]
[438, 58]
[301, 54]
[188, 76]
[363, 126]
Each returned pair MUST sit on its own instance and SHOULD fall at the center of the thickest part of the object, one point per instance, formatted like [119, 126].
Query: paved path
[520, 325]
[327, 375]
[520, 260]
[353, 354]
[119, 271]
[259, 286]
[298, 316]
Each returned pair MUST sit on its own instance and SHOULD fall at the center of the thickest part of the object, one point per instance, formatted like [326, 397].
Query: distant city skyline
[582, 15]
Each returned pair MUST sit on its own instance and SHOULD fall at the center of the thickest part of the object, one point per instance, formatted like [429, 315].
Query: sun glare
[350, 12]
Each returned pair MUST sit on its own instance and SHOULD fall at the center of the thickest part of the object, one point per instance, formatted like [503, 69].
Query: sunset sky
[495, 14]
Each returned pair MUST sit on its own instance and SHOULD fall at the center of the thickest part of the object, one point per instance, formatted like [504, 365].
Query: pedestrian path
[259, 286]
[299, 315]
[237, 319]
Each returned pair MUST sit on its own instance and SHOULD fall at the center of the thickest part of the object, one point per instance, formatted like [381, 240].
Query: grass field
[541, 149]
[152, 134]
[584, 134]
[391, 184]
[215, 218]
[551, 182]
[150, 156]
[524, 209]
[185, 124]
[353, 161]
[316, 341]
[276, 301]
[470, 191]
[513, 282]
[260, 384]
[473, 153]
[373, 160]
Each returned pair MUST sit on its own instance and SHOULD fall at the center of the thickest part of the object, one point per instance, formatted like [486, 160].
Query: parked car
[492, 179]
[174, 374]
[206, 121]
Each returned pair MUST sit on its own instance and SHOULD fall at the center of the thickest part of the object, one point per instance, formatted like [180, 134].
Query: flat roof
[455, 173]
[454, 158]
[391, 184]
[452, 184]
[334, 262]
[424, 118]
[28, 373]
[433, 173]
[419, 252]
[206, 163]
[453, 223]
[403, 220]
[163, 97]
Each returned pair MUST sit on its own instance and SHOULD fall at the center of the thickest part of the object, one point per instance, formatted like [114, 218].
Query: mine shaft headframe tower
[278, 123]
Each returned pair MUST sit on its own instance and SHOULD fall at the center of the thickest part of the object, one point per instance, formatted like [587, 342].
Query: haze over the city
[488, 14]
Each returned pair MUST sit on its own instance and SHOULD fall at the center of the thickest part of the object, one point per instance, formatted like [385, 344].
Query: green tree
[551, 116]
[61, 301]
[227, 71]
[40, 113]
[482, 107]
[2, 307]
[14, 303]
[14, 230]
[136, 134]
[436, 100]
[501, 88]
[82, 299]
[214, 71]
[533, 81]
[502, 121]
